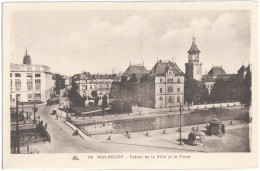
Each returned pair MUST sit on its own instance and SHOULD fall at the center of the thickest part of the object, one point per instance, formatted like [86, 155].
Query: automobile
[54, 112]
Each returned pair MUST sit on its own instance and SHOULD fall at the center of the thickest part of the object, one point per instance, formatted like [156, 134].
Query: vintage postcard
[130, 85]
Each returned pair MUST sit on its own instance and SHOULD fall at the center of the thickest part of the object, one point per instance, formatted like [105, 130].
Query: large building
[163, 87]
[193, 67]
[101, 83]
[30, 82]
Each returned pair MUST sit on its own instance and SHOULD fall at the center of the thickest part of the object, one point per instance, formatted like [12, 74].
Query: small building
[215, 127]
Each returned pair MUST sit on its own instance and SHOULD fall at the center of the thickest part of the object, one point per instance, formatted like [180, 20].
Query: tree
[195, 92]
[247, 93]
[104, 103]
[74, 97]
[94, 94]
[59, 83]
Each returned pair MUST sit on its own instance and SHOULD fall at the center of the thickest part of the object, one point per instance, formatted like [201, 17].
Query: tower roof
[193, 48]
[26, 58]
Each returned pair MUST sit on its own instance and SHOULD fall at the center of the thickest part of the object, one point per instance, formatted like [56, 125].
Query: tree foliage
[94, 94]
[59, 83]
[195, 92]
[74, 97]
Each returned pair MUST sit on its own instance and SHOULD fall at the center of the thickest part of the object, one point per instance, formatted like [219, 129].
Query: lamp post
[180, 125]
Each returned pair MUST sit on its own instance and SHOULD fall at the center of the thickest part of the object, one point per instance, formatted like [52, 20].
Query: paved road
[64, 142]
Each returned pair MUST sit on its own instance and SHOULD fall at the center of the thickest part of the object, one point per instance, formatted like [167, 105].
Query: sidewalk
[170, 140]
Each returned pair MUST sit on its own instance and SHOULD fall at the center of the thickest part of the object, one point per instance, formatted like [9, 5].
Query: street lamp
[180, 125]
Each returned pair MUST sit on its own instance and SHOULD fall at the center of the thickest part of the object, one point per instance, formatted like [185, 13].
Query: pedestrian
[197, 128]
[126, 132]
[164, 131]
[39, 117]
[45, 125]
[147, 134]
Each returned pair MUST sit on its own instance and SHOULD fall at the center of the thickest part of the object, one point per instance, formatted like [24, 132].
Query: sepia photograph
[125, 78]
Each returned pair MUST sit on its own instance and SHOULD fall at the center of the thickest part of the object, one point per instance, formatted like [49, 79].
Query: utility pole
[17, 127]
[180, 125]
[22, 107]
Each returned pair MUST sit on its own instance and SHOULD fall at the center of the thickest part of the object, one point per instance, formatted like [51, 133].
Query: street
[63, 141]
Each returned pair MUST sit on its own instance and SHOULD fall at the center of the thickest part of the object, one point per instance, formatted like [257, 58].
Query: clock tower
[193, 67]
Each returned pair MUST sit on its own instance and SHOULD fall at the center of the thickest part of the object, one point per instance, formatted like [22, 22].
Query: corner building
[30, 82]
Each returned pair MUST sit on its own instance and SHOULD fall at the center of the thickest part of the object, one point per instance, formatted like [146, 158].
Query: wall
[165, 121]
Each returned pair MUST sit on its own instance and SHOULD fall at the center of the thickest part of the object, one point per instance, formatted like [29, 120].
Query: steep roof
[139, 70]
[207, 78]
[161, 68]
[215, 71]
[193, 49]
[244, 69]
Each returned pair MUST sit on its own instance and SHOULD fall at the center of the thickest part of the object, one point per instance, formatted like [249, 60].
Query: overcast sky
[98, 41]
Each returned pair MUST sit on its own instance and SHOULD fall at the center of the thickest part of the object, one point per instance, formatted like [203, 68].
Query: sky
[70, 42]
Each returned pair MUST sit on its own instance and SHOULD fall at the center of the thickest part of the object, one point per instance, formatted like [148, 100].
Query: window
[170, 89]
[179, 80]
[178, 89]
[170, 100]
[90, 87]
[107, 86]
[37, 96]
[160, 90]
[178, 99]
[37, 75]
[11, 74]
[37, 84]
[17, 75]
[84, 94]
[160, 80]
[37, 68]
[18, 84]
[29, 84]
[170, 80]
[29, 74]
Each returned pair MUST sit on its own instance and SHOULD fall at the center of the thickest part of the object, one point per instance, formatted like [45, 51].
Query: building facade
[193, 67]
[163, 87]
[30, 82]
[101, 83]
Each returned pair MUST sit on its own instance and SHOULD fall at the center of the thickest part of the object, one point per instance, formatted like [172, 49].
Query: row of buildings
[160, 87]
